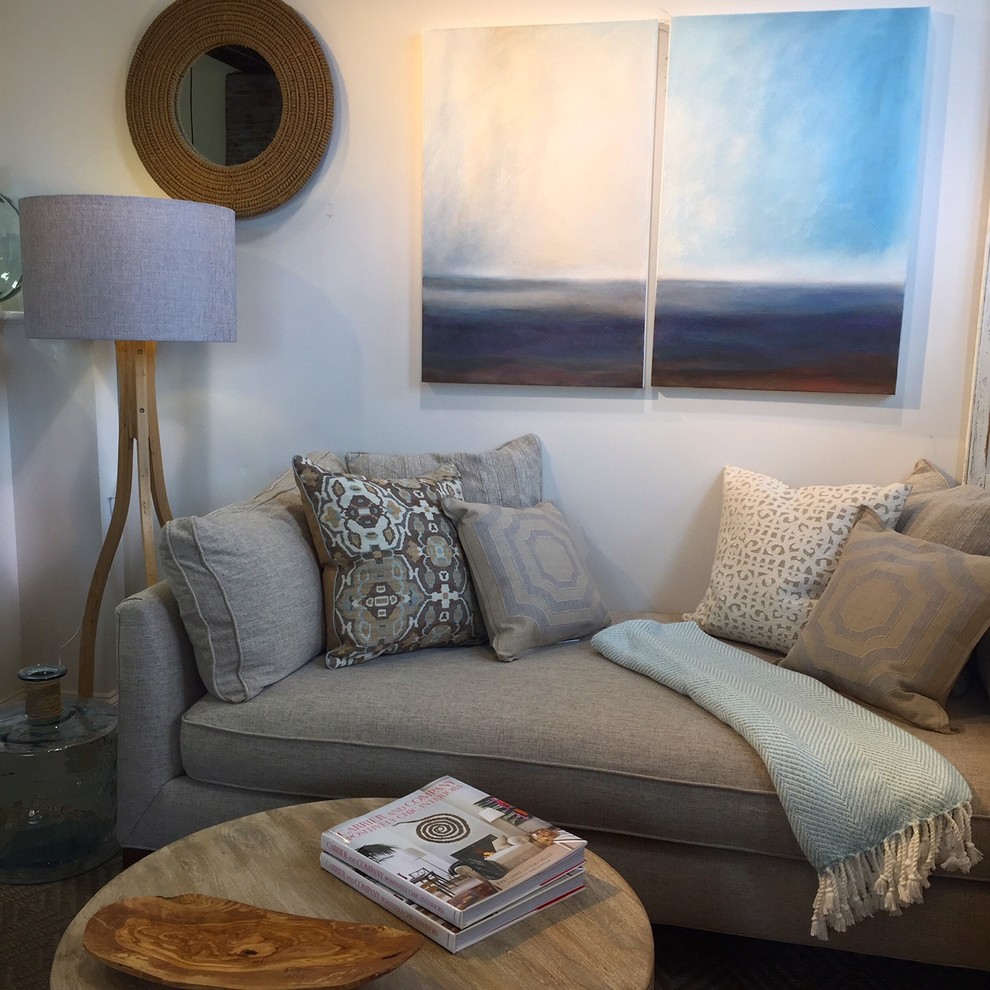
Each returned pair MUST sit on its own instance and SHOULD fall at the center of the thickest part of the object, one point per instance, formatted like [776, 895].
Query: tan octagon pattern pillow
[896, 623]
[394, 574]
[777, 547]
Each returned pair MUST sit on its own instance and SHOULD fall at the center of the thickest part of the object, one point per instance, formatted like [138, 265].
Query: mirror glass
[229, 105]
[10, 248]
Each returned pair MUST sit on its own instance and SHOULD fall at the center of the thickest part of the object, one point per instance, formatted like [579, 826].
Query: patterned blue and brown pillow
[394, 575]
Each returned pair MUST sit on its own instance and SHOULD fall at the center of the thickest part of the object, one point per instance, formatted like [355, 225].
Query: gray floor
[690, 960]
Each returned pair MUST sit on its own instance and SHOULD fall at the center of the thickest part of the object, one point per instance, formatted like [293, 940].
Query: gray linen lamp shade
[127, 268]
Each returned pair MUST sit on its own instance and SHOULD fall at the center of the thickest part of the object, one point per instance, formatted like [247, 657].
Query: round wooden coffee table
[599, 939]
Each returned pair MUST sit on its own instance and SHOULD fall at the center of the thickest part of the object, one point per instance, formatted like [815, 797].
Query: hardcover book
[450, 936]
[457, 851]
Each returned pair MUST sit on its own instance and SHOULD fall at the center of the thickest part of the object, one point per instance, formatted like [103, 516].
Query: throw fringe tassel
[892, 875]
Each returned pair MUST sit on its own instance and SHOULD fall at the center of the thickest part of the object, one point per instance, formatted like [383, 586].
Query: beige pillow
[957, 517]
[927, 477]
[777, 547]
[897, 622]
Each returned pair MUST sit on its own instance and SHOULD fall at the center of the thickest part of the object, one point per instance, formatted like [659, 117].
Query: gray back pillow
[509, 475]
[247, 583]
[958, 516]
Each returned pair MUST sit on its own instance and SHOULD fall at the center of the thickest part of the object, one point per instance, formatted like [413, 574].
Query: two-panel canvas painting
[778, 255]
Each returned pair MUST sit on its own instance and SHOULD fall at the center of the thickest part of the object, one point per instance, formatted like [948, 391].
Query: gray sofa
[666, 793]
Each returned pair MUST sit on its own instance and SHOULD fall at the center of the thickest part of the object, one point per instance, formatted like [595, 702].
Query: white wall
[328, 294]
[10, 616]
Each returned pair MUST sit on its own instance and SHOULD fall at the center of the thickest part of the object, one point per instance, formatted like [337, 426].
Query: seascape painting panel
[537, 179]
[790, 161]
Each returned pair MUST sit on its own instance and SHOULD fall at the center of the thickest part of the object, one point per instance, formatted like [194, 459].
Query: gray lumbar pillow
[511, 474]
[247, 582]
[531, 584]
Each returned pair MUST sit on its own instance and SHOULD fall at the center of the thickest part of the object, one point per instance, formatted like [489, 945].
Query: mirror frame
[177, 37]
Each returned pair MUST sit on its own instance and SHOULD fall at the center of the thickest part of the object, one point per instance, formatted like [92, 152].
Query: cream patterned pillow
[777, 547]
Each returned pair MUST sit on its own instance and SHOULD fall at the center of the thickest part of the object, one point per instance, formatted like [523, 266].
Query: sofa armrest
[158, 681]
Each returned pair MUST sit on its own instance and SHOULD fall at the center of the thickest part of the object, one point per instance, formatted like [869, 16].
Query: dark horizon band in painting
[506, 331]
[777, 336]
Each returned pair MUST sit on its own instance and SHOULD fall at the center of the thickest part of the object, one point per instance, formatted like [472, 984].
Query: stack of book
[455, 863]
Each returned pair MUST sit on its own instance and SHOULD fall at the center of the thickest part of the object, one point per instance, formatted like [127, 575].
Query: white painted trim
[977, 467]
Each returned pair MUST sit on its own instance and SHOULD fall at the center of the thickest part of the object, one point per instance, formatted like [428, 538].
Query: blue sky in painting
[791, 144]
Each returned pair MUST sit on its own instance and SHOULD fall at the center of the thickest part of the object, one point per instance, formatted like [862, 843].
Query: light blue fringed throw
[873, 808]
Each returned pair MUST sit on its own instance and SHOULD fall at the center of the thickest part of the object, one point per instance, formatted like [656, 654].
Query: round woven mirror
[275, 170]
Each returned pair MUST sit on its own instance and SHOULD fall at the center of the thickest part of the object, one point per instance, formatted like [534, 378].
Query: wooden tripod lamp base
[138, 432]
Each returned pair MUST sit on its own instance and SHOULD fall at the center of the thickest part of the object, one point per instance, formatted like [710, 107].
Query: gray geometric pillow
[532, 585]
[510, 474]
[394, 575]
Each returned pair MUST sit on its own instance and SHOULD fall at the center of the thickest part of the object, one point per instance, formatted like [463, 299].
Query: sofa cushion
[590, 743]
[897, 622]
[394, 575]
[247, 583]
[777, 547]
[532, 585]
[511, 474]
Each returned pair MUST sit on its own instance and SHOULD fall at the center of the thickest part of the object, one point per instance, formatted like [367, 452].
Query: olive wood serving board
[193, 941]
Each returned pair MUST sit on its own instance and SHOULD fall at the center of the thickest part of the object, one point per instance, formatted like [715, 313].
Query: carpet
[33, 918]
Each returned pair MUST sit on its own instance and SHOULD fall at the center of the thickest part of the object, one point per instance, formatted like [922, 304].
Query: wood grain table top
[599, 939]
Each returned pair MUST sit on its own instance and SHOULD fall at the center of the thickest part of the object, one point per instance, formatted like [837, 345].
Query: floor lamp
[135, 271]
